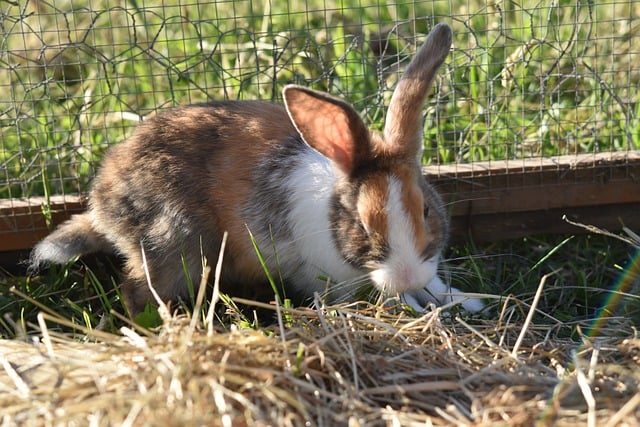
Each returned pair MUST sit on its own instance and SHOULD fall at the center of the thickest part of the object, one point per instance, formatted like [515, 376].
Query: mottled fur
[322, 195]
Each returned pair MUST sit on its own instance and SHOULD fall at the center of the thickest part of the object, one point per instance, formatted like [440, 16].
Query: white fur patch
[313, 253]
[52, 252]
[404, 269]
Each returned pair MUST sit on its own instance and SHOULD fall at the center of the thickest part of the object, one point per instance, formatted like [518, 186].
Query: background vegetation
[524, 79]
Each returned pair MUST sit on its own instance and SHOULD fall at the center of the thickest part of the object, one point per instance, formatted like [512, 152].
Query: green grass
[586, 272]
[584, 284]
[526, 79]
[543, 78]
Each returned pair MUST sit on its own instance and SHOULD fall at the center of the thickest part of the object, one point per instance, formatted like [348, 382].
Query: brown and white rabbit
[322, 195]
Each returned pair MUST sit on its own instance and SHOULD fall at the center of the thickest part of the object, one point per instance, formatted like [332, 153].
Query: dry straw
[344, 365]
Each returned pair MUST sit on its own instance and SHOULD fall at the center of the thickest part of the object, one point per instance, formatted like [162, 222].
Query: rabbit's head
[385, 218]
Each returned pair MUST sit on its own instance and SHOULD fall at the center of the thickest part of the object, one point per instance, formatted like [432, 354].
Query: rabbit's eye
[426, 211]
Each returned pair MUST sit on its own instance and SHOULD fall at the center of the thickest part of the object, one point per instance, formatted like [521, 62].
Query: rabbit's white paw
[439, 293]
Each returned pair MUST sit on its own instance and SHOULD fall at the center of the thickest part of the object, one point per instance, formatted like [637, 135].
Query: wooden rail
[23, 223]
[508, 199]
[488, 201]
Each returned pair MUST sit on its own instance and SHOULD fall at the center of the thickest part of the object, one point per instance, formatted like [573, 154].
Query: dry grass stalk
[343, 365]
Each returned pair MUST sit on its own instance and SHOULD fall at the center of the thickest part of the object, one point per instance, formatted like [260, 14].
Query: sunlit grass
[536, 79]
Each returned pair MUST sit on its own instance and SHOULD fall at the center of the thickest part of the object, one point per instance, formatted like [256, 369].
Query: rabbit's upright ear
[403, 124]
[329, 125]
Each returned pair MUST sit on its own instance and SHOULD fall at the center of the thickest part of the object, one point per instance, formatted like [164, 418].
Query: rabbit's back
[181, 181]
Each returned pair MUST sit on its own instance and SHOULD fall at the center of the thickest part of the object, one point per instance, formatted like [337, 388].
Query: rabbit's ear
[403, 124]
[329, 125]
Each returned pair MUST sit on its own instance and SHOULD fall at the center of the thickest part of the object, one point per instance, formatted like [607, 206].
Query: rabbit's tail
[73, 238]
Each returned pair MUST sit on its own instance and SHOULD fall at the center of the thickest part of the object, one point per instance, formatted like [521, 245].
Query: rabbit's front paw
[439, 293]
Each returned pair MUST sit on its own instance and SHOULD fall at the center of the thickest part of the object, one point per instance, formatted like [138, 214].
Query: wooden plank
[538, 184]
[558, 163]
[508, 199]
[511, 225]
[22, 222]
[488, 201]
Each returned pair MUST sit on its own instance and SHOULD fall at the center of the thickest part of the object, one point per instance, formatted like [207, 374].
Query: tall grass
[527, 79]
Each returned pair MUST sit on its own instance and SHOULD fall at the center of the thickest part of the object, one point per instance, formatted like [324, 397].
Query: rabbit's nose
[399, 276]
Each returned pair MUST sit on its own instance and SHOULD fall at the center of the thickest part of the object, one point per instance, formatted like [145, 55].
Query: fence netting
[528, 79]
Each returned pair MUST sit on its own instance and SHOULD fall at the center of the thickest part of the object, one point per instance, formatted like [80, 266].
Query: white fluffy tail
[72, 239]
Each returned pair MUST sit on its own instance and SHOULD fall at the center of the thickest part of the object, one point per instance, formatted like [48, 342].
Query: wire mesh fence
[525, 80]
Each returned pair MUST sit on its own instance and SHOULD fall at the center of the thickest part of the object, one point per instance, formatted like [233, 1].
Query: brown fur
[208, 170]
[372, 200]
[189, 174]
[414, 203]
[402, 130]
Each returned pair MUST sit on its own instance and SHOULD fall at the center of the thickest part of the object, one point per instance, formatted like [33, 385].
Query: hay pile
[342, 365]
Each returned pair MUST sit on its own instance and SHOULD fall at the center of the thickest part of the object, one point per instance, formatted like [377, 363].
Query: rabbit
[332, 206]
